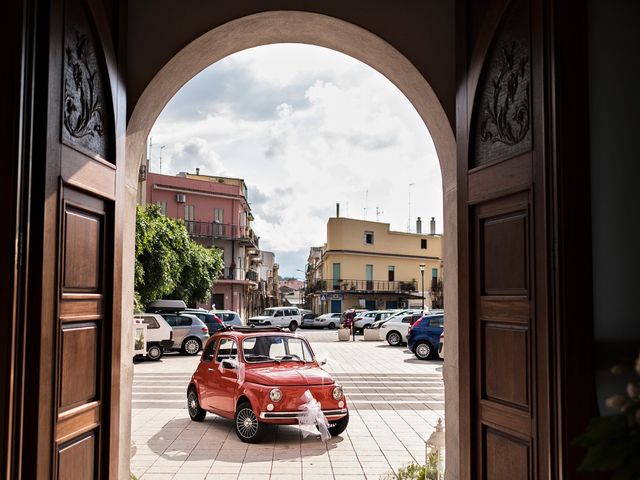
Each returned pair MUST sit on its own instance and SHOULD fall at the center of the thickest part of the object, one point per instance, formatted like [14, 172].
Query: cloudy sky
[306, 127]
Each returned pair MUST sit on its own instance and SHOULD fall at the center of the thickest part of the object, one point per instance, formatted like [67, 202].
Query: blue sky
[306, 127]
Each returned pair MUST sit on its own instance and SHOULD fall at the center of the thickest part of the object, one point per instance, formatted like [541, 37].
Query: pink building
[217, 214]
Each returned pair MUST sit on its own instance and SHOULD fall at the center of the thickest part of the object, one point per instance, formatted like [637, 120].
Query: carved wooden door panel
[502, 193]
[72, 385]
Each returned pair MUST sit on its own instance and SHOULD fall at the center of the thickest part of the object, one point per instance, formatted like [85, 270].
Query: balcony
[343, 285]
[222, 231]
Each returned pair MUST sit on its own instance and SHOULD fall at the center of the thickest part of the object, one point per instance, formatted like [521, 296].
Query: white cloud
[312, 128]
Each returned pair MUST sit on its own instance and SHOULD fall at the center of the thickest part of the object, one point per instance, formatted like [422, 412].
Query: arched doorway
[329, 32]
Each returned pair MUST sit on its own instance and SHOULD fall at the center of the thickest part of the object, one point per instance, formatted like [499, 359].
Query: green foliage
[613, 441]
[413, 471]
[168, 263]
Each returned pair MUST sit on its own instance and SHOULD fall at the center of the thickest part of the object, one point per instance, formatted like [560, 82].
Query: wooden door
[503, 221]
[71, 367]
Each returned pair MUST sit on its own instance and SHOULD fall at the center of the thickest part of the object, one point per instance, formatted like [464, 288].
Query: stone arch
[325, 31]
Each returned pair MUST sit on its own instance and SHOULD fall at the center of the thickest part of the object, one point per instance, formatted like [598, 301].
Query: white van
[289, 317]
[159, 334]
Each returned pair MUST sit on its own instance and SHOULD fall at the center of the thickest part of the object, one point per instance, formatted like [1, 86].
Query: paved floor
[394, 399]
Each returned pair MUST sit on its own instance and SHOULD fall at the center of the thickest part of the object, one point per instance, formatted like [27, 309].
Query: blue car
[424, 336]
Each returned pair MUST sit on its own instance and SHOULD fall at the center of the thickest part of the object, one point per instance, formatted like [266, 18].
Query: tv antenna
[161, 148]
[366, 202]
[378, 213]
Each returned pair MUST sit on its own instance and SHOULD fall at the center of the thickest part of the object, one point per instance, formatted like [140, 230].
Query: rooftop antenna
[378, 213]
[409, 219]
[161, 148]
[366, 202]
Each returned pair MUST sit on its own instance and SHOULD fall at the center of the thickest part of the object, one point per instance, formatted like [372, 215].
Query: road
[395, 401]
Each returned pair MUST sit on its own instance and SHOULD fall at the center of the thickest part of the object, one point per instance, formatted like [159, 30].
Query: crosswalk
[365, 391]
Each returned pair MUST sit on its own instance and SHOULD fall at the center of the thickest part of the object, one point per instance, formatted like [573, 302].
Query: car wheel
[154, 352]
[368, 325]
[339, 426]
[267, 324]
[423, 350]
[196, 413]
[293, 326]
[394, 339]
[248, 428]
[191, 346]
[332, 326]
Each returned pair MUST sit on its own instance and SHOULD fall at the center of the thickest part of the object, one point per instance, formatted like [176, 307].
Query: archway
[310, 28]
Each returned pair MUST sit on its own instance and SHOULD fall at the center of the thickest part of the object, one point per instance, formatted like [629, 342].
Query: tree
[168, 263]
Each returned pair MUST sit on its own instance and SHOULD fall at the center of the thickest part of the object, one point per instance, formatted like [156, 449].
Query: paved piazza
[394, 400]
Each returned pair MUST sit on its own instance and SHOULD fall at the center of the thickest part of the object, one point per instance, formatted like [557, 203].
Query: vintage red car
[264, 375]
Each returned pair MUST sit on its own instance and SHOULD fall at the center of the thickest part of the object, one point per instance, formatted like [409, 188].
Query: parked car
[211, 320]
[329, 320]
[395, 315]
[189, 332]
[308, 320]
[229, 317]
[366, 319]
[259, 376]
[159, 334]
[424, 336]
[441, 346]
[288, 317]
[395, 331]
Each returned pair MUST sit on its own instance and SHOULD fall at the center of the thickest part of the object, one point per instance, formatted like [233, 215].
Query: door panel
[500, 136]
[71, 289]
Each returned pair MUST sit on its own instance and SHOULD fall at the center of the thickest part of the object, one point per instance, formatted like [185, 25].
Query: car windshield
[268, 313]
[276, 348]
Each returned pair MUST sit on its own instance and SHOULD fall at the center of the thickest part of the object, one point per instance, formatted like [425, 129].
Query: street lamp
[422, 267]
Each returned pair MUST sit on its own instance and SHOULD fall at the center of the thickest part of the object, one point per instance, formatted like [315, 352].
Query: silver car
[189, 332]
[228, 317]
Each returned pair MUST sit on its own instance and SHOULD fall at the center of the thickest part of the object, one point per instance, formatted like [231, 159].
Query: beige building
[366, 265]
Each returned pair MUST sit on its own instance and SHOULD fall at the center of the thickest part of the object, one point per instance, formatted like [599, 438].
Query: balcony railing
[231, 273]
[224, 231]
[351, 285]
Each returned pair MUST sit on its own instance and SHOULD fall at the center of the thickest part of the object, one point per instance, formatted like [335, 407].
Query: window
[278, 313]
[218, 221]
[423, 243]
[226, 350]
[227, 317]
[184, 322]
[336, 276]
[436, 322]
[407, 319]
[163, 207]
[172, 320]
[434, 273]
[151, 323]
[368, 238]
[369, 276]
[392, 273]
[207, 355]
[189, 212]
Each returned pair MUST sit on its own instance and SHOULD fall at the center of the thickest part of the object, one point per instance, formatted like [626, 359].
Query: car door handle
[210, 369]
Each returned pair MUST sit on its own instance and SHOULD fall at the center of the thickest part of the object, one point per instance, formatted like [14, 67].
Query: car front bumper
[330, 414]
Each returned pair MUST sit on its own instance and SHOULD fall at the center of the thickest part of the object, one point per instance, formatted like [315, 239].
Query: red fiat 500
[259, 376]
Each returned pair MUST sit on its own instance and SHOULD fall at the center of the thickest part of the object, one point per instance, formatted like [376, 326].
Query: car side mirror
[226, 363]
[323, 362]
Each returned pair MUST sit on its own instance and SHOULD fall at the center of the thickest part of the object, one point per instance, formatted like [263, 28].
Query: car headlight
[337, 393]
[275, 395]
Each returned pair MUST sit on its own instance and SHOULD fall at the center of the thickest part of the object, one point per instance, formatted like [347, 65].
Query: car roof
[241, 332]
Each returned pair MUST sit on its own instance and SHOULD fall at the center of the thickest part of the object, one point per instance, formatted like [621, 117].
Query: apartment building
[217, 214]
[367, 265]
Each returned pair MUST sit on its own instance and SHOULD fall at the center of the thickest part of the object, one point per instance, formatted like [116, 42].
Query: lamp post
[422, 267]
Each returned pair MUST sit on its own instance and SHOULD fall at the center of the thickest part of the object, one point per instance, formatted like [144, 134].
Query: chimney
[419, 225]
[433, 225]
[197, 171]
[337, 210]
